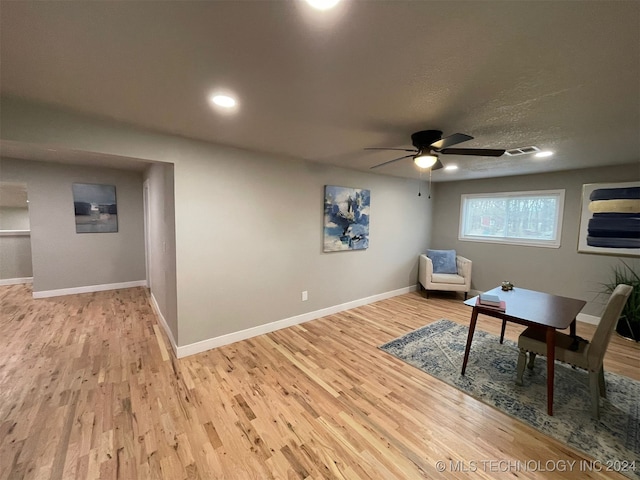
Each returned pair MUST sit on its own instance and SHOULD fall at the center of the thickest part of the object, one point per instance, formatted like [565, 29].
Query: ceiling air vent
[522, 151]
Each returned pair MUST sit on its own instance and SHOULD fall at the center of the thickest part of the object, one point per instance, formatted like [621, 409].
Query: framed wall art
[610, 219]
[95, 208]
[346, 218]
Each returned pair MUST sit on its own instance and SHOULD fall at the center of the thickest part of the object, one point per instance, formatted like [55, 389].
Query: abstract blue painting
[346, 218]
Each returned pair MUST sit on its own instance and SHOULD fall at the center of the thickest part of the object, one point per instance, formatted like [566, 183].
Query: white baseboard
[16, 281]
[88, 289]
[585, 318]
[204, 345]
[164, 324]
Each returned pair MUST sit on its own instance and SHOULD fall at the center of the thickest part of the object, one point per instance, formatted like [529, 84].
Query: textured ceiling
[563, 76]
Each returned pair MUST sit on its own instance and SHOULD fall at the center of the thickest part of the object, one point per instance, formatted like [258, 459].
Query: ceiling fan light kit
[425, 160]
[428, 143]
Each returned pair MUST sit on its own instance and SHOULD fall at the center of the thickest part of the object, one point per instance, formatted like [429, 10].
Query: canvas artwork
[346, 218]
[95, 208]
[610, 219]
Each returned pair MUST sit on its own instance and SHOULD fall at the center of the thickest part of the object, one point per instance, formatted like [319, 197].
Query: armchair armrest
[464, 269]
[425, 270]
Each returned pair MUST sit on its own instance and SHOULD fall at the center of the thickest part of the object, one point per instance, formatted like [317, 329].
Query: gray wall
[15, 249]
[15, 257]
[249, 226]
[250, 237]
[61, 257]
[14, 218]
[161, 250]
[562, 270]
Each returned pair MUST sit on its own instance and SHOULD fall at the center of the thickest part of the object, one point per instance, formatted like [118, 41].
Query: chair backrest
[608, 321]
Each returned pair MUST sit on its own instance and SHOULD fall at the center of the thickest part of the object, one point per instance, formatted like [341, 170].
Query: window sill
[518, 242]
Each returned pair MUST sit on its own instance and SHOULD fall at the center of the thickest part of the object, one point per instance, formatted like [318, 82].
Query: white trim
[503, 241]
[204, 345]
[15, 233]
[163, 323]
[89, 289]
[16, 281]
[147, 229]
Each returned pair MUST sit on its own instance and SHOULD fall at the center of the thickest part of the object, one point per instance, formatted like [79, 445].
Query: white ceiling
[322, 86]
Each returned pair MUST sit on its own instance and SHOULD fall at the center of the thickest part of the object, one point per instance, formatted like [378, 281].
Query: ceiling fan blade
[437, 166]
[391, 161]
[451, 140]
[479, 152]
[400, 149]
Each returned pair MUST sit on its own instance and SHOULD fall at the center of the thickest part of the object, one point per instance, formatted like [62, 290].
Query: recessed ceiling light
[451, 167]
[322, 4]
[545, 153]
[224, 101]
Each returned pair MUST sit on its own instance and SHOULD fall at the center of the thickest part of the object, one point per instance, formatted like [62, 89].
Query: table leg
[472, 328]
[551, 357]
[504, 325]
[572, 328]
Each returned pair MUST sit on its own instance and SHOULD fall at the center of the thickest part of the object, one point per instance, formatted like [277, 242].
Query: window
[520, 218]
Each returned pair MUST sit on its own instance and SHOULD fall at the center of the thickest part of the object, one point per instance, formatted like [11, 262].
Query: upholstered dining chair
[583, 354]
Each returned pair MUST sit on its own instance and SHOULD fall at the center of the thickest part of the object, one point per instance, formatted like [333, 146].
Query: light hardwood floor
[89, 389]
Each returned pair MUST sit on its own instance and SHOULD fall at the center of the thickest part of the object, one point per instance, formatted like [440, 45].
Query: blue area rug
[438, 349]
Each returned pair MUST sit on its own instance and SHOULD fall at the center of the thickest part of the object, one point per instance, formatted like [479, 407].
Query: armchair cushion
[444, 261]
[447, 278]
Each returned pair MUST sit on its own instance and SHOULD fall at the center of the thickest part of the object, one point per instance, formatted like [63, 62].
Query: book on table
[502, 307]
[491, 301]
[488, 299]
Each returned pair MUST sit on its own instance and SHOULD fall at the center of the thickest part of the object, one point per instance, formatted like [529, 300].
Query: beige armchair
[460, 282]
[583, 354]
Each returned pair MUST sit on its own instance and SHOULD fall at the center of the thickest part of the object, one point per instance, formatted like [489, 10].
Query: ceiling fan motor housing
[425, 138]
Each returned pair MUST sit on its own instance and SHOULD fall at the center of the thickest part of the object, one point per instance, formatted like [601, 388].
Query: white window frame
[553, 243]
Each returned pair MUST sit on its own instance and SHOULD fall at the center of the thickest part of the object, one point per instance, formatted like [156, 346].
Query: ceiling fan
[428, 143]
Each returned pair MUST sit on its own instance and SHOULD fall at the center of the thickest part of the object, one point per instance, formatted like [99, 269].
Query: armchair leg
[465, 295]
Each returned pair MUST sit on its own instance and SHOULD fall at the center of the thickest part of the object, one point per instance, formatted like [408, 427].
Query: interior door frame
[147, 229]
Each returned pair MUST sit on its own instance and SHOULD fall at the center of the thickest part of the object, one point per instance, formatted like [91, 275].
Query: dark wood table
[530, 308]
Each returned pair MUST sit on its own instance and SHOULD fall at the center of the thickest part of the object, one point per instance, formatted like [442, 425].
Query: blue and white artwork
[346, 218]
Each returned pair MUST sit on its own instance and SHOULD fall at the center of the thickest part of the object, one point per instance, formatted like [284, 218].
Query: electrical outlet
[305, 296]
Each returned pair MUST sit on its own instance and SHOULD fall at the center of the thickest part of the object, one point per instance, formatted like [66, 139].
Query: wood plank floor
[88, 390]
